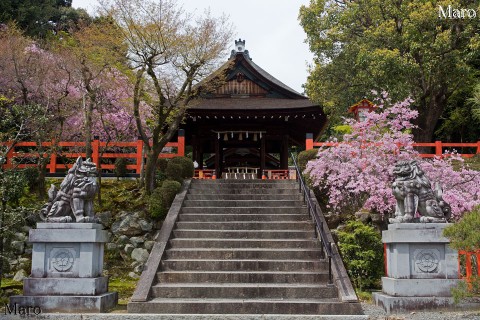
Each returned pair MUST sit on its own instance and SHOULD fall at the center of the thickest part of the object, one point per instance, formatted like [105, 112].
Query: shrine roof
[250, 103]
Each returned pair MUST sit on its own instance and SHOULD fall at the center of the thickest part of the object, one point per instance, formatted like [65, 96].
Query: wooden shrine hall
[248, 123]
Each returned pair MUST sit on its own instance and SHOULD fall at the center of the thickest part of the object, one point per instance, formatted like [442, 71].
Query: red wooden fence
[468, 264]
[98, 153]
[438, 145]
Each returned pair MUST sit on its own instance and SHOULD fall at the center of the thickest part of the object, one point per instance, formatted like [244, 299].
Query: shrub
[464, 234]
[31, 175]
[169, 190]
[162, 164]
[186, 164]
[161, 198]
[156, 206]
[362, 252]
[174, 172]
[304, 157]
[120, 167]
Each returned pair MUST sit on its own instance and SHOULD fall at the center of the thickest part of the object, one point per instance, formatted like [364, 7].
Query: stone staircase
[239, 247]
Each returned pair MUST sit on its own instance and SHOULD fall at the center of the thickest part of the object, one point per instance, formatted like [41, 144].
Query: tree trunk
[430, 110]
[41, 188]
[88, 131]
[150, 169]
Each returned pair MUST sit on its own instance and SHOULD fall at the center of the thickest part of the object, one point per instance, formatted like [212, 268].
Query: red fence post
[139, 156]
[438, 148]
[53, 157]
[9, 155]
[181, 143]
[96, 152]
[309, 141]
[478, 147]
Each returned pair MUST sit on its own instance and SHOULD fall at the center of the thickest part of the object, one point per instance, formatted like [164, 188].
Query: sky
[270, 28]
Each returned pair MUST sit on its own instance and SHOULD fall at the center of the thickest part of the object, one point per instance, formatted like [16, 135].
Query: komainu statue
[413, 192]
[75, 197]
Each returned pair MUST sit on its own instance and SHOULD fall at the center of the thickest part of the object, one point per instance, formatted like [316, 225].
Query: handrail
[313, 211]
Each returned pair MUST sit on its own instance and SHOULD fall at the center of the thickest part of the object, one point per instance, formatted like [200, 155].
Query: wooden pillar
[181, 143]
[139, 156]
[217, 158]
[309, 141]
[284, 153]
[262, 156]
[200, 153]
[195, 149]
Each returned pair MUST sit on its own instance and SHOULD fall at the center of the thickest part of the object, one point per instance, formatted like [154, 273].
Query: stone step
[243, 291]
[213, 191]
[242, 253]
[243, 234]
[245, 210]
[241, 181]
[207, 217]
[243, 243]
[244, 225]
[243, 203]
[226, 196]
[246, 306]
[243, 265]
[243, 186]
[242, 276]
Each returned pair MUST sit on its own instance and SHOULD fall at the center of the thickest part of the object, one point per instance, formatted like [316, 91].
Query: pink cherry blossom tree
[357, 172]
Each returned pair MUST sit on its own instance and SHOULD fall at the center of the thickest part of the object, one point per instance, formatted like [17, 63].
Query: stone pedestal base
[421, 268]
[393, 304]
[67, 265]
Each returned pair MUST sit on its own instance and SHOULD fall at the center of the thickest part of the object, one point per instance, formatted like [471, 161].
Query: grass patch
[124, 287]
[120, 195]
[364, 296]
[9, 288]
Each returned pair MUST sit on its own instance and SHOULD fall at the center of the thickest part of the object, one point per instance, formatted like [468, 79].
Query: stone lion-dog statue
[75, 197]
[414, 194]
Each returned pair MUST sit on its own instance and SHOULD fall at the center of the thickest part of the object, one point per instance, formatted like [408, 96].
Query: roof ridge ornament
[240, 49]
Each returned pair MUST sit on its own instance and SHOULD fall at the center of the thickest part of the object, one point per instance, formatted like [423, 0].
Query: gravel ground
[377, 313]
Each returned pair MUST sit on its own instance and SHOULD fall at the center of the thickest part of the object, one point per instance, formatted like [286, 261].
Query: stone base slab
[65, 286]
[418, 287]
[69, 304]
[406, 304]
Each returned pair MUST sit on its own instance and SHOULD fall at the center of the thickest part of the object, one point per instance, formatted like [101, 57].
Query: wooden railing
[438, 145]
[468, 264]
[63, 159]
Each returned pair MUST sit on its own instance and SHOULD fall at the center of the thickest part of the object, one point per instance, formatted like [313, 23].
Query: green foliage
[187, 170]
[12, 186]
[162, 164]
[304, 157]
[174, 172]
[464, 234]
[466, 289]
[121, 195]
[31, 175]
[156, 205]
[161, 198]
[169, 190]
[120, 167]
[42, 18]
[342, 129]
[362, 252]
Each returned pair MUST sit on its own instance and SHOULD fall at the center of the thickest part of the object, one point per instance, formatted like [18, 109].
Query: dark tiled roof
[252, 103]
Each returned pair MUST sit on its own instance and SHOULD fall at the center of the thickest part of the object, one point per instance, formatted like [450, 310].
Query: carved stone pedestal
[421, 268]
[67, 265]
